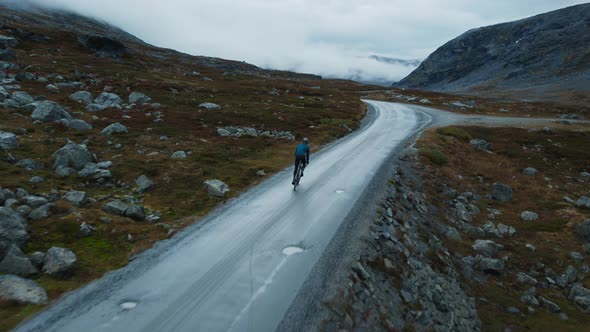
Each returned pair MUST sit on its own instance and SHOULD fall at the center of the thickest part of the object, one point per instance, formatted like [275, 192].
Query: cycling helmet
[305, 140]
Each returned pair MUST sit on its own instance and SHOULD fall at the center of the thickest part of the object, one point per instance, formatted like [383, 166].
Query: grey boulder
[529, 171]
[12, 227]
[41, 212]
[209, 106]
[529, 216]
[81, 97]
[179, 155]
[78, 198]
[502, 192]
[50, 111]
[59, 262]
[30, 164]
[144, 183]
[15, 262]
[583, 231]
[114, 128]
[7, 140]
[486, 247]
[116, 207]
[139, 98]
[21, 98]
[583, 202]
[216, 188]
[81, 125]
[13, 288]
[72, 155]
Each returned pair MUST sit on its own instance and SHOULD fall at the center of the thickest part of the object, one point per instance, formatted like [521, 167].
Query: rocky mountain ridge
[541, 57]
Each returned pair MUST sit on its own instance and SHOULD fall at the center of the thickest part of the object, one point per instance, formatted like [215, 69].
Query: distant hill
[542, 57]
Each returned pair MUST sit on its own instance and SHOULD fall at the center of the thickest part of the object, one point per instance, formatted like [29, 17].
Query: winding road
[241, 268]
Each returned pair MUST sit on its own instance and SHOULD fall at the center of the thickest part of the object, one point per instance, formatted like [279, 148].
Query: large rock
[135, 212]
[209, 106]
[583, 231]
[216, 188]
[490, 265]
[583, 202]
[529, 216]
[94, 171]
[502, 192]
[50, 111]
[3, 93]
[486, 247]
[78, 198]
[7, 140]
[7, 42]
[81, 125]
[35, 201]
[12, 227]
[13, 288]
[15, 262]
[116, 207]
[114, 128]
[81, 97]
[108, 100]
[72, 155]
[144, 183]
[59, 262]
[7, 54]
[139, 98]
[41, 212]
[30, 164]
[21, 98]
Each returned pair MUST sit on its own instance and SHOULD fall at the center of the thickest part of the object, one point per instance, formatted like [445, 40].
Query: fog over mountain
[329, 38]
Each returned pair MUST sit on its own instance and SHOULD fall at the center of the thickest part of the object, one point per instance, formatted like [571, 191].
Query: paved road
[240, 268]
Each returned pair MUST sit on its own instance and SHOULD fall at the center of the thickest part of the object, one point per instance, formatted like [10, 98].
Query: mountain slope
[546, 56]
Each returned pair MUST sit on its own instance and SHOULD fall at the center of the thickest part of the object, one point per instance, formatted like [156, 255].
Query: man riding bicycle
[301, 155]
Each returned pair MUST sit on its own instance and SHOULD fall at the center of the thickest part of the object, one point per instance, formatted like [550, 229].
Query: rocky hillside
[542, 57]
[108, 144]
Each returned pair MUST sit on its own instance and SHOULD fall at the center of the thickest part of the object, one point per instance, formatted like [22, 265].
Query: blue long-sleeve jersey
[302, 151]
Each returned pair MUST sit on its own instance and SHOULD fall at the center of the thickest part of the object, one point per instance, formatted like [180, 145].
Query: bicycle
[298, 175]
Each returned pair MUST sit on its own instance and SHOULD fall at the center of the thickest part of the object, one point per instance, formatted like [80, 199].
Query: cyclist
[301, 154]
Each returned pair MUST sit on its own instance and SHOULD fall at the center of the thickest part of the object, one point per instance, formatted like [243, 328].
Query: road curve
[240, 268]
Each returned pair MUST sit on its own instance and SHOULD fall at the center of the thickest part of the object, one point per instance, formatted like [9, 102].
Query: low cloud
[325, 37]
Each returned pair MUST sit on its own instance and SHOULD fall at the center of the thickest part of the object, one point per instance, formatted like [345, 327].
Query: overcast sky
[326, 37]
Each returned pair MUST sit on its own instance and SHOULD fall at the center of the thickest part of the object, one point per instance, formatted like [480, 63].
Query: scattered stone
[41, 212]
[530, 247]
[136, 213]
[21, 98]
[583, 231]
[81, 125]
[36, 179]
[583, 202]
[59, 262]
[13, 288]
[490, 265]
[84, 97]
[78, 198]
[529, 216]
[85, 230]
[179, 155]
[139, 98]
[144, 183]
[576, 256]
[7, 42]
[12, 227]
[115, 128]
[523, 278]
[453, 234]
[209, 106]
[216, 188]
[116, 207]
[486, 247]
[15, 262]
[529, 171]
[37, 259]
[35, 201]
[30, 164]
[52, 88]
[104, 101]
[480, 144]
[72, 155]
[502, 192]
[260, 173]
[49, 111]
[7, 141]
[551, 306]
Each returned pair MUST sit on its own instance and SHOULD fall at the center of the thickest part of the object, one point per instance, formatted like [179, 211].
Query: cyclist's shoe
[301, 174]
[293, 182]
